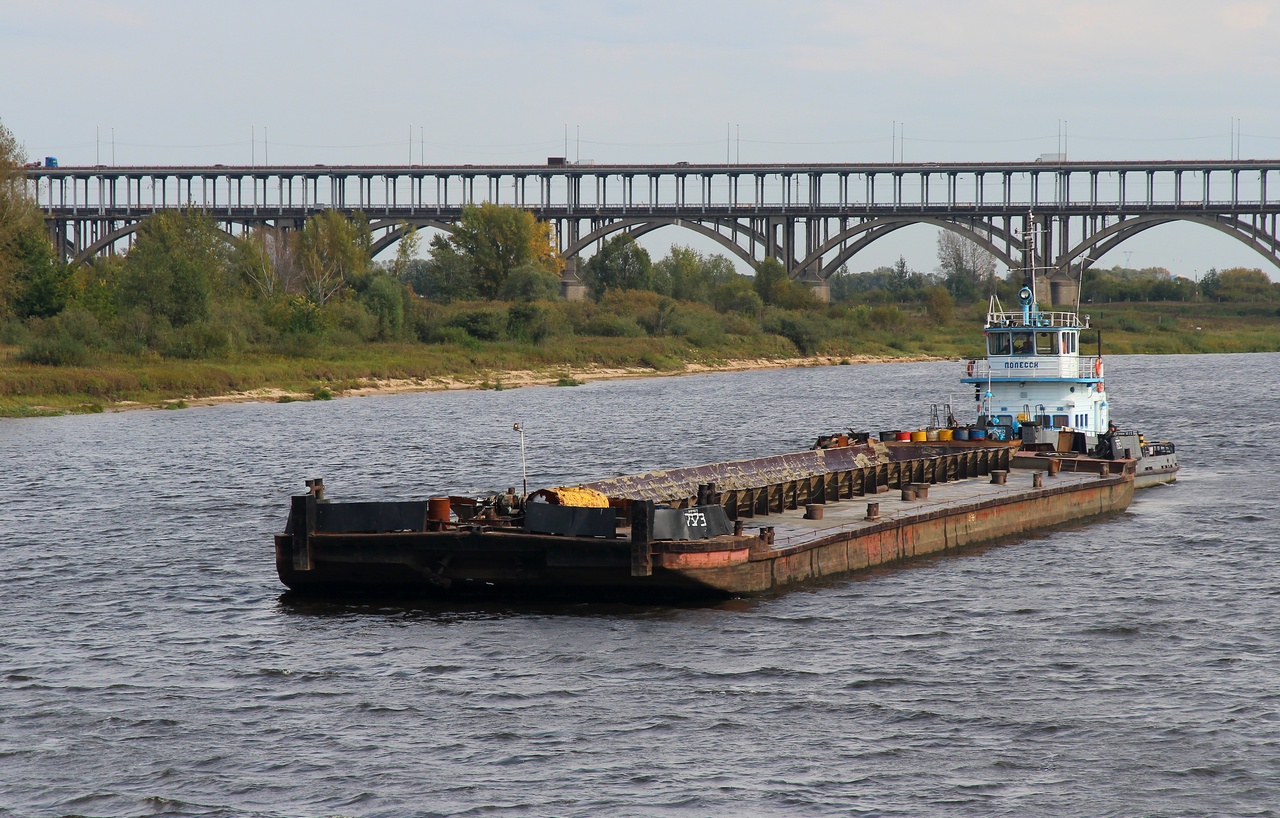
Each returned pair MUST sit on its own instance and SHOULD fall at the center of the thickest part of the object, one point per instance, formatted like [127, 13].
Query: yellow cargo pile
[576, 496]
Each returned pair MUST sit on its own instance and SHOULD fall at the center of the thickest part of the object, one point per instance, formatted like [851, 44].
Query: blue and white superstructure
[1036, 386]
[1034, 376]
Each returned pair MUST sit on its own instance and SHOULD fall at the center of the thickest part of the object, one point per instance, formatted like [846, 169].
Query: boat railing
[1069, 320]
[1036, 367]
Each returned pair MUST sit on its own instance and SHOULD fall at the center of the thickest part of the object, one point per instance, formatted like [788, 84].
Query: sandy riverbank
[523, 378]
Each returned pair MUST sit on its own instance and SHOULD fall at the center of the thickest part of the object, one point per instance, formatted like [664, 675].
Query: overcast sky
[491, 81]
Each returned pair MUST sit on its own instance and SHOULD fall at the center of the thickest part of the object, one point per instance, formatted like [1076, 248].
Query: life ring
[1097, 367]
[970, 369]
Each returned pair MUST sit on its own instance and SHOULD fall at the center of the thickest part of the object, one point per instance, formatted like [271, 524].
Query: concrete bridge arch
[864, 234]
[640, 226]
[124, 231]
[1104, 241]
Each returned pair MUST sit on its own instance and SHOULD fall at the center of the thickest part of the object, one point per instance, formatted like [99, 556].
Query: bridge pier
[571, 286]
[819, 286]
[1064, 289]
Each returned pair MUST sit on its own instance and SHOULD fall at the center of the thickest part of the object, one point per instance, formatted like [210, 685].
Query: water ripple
[151, 664]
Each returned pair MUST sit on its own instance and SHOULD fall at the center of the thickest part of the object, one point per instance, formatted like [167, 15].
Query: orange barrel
[438, 509]
[945, 434]
[919, 436]
[904, 435]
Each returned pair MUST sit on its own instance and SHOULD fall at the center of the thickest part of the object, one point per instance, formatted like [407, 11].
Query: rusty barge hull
[919, 532]
[806, 528]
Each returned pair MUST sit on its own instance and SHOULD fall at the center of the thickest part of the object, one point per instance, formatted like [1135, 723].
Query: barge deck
[776, 522]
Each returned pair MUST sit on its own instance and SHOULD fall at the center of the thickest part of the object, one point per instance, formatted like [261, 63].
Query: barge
[1041, 452]
[722, 530]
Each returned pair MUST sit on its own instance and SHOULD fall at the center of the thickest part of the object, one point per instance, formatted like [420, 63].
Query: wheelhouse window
[998, 343]
[1024, 343]
[1068, 341]
[1046, 343]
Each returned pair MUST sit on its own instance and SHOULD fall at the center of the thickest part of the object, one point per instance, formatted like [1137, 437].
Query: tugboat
[1035, 386]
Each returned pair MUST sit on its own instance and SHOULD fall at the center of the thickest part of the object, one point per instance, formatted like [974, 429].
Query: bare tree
[268, 260]
[965, 265]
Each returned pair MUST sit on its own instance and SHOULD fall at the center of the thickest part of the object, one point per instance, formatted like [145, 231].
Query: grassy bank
[1172, 328]
[114, 379]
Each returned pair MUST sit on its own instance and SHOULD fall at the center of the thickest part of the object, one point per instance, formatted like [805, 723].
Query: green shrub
[801, 331]
[485, 325]
[608, 325]
[699, 325]
[451, 335]
[856, 316]
[137, 331]
[14, 332]
[351, 317]
[297, 314]
[528, 322]
[530, 282]
[384, 298]
[81, 325]
[54, 350]
[577, 314]
[198, 340]
[421, 318]
[300, 345]
[886, 316]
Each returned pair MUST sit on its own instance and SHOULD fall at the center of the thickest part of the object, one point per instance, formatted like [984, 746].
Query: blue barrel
[977, 434]
[962, 434]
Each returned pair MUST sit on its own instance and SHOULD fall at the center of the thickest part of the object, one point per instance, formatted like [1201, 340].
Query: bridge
[1057, 216]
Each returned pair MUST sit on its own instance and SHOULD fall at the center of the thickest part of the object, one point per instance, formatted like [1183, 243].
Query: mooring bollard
[873, 511]
[922, 490]
[998, 476]
[908, 495]
[1037, 480]
[813, 511]
[1055, 466]
[316, 487]
[737, 528]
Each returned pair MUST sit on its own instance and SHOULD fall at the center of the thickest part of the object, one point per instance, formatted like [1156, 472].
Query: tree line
[186, 289]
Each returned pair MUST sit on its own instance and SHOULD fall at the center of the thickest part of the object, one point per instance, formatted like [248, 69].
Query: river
[150, 664]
